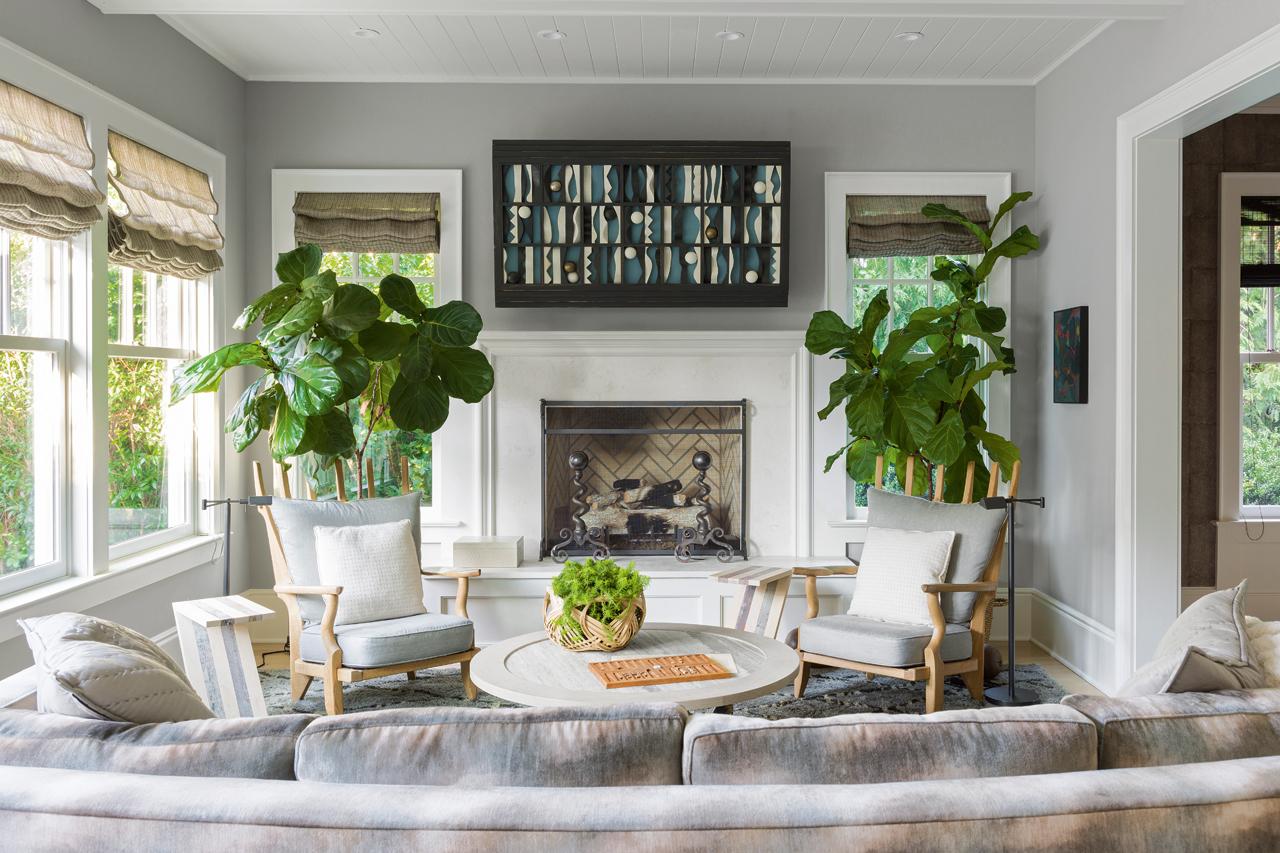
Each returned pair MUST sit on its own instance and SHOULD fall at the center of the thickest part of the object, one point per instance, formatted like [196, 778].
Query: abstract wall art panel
[1071, 355]
[640, 223]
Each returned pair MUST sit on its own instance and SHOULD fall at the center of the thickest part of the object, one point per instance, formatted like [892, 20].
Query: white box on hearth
[487, 552]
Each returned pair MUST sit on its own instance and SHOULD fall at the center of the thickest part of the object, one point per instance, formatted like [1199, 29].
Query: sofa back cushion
[477, 747]
[867, 748]
[1183, 728]
[297, 520]
[976, 532]
[249, 747]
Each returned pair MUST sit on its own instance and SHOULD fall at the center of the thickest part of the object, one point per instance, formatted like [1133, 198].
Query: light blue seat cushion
[977, 529]
[366, 645]
[856, 638]
[297, 521]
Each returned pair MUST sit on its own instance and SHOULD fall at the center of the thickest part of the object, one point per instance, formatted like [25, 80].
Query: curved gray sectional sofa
[1163, 773]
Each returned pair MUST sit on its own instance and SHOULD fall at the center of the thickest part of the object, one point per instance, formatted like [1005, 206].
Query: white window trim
[830, 499]
[1233, 186]
[83, 538]
[287, 183]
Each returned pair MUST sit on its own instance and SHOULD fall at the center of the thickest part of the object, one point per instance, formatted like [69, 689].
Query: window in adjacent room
[1259, 359]
[367, 236]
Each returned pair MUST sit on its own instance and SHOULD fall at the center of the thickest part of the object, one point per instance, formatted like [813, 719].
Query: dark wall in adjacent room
[1241, 143]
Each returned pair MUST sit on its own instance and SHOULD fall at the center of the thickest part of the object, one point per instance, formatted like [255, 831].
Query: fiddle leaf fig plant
[918, 394]
[333, 355]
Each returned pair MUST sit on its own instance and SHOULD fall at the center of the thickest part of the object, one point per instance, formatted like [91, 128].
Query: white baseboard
[1079, 642]
[272, 630]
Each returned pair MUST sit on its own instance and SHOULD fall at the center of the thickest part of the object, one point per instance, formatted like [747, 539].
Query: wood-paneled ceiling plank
[764, 38]
[791, 41]
[655, 46]
[627, 42]
[432, 32]
[604, 52]
[946, 46]
[520, 41]
[493, 41]
[869, 47]
[550, 52]
[577, 47]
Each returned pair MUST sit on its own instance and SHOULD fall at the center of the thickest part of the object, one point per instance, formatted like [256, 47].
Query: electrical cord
[262, 658]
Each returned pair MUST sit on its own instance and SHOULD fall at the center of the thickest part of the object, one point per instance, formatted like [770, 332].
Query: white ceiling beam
[1117, 10]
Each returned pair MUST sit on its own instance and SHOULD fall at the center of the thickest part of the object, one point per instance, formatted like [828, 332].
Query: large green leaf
[401, 294]
[353, 308]
[453, 324]
[331, 433]
[860, 461]
[320, 286]
[1008, 205]
[937, 387]
[937, 210]
[466, 373]
[287, 431]
[415, 360]
[999, 448]
[303, 262]
[311, 385]
[848, 385]
[835, 457]
[1017, 244]
[827, 332]
[902, 340]
[353, 369]
[246, 405]
[383, 341]
[908, 419]
[419, 404]
[205, 374]
[258, 418]
[866, 411]
[296, 321]
[990, 318]
[269, 307]
[986, 371]
[944, 442]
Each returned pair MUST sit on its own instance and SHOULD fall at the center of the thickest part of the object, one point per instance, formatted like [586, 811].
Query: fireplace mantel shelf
[666, 568]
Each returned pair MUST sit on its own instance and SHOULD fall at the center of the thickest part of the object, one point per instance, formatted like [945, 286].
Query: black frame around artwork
[1083, 396]
[546, 153]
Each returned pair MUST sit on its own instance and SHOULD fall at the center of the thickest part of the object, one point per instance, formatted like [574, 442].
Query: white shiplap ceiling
[999, 42]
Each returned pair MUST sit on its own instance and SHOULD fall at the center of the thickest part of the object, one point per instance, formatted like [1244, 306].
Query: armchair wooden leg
[802, 679]
[468, 687]
[973, 680]
[332, 696]
[299, 684]
[933, 700]
[411, 675]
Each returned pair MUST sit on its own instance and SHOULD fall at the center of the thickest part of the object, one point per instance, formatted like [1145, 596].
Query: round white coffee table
[532, 670]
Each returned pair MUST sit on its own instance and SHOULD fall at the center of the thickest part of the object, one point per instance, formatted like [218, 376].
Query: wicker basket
[598, 636]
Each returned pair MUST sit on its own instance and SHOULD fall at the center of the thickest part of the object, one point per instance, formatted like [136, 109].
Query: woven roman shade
[46, 181]
[368, 222]
[892, 226]
[166, 223]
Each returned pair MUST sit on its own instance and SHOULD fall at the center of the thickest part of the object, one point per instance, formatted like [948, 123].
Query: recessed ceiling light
[910, 35]
[552, 35]
[365, 33]
[729, 35]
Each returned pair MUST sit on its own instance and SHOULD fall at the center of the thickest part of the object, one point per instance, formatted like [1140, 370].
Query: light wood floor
[1031, 653]
[1027, 653]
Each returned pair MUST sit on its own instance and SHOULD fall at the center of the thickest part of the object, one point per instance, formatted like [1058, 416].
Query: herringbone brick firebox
[640, 483]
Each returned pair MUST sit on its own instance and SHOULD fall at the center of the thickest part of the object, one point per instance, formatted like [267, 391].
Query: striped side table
[764, 594]
[218, 655]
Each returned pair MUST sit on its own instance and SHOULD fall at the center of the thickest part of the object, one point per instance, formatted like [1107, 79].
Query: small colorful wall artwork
[1071, 355]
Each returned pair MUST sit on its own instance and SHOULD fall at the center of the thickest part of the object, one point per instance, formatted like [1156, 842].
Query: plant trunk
[359, 472]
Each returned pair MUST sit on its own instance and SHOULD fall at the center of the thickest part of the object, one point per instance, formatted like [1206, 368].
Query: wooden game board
[671, 669]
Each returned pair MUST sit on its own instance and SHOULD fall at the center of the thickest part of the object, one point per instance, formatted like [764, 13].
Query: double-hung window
[35, 276]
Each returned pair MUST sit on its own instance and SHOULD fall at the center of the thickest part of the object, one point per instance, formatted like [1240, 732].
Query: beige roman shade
[892, 226]
[165, 223]
[368, 222]
[46, 180]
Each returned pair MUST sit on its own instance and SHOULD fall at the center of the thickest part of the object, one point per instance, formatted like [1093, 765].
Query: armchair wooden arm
[289, 595]
[980, 586]
[296, 589]
[464, 577]
[811, 575]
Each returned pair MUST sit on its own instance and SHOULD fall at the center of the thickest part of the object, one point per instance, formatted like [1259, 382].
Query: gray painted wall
[831, 128]
[145, 63]
[1072, 448]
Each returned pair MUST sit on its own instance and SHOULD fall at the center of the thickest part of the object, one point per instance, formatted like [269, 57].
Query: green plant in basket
[600, 586]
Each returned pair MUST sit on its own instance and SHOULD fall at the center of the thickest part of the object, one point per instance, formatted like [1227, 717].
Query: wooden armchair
[326, 660]
[934, 664]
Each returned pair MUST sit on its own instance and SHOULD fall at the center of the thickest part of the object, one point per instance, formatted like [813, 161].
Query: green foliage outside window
[17, 481]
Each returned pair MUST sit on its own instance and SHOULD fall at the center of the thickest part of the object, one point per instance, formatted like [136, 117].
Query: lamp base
[1002, 695]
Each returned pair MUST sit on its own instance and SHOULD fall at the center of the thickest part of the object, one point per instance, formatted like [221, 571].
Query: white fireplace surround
[769, 369]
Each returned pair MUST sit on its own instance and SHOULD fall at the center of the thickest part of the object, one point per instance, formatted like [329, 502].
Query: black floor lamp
[1009, 694]
[255, 500]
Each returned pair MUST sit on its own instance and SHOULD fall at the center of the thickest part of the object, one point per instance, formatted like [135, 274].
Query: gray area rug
[830, 692]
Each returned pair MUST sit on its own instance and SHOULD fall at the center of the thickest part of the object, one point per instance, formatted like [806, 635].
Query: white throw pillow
[1264, 642]
[377, 567]
[99, 670]
[895, 563]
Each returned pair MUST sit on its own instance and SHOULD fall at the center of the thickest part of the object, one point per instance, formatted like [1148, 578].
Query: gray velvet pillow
[976, 529]
[297, 520]
[93, 668]
[1187, 671]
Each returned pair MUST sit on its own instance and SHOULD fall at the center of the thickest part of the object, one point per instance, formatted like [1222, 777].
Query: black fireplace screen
[639, 478]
